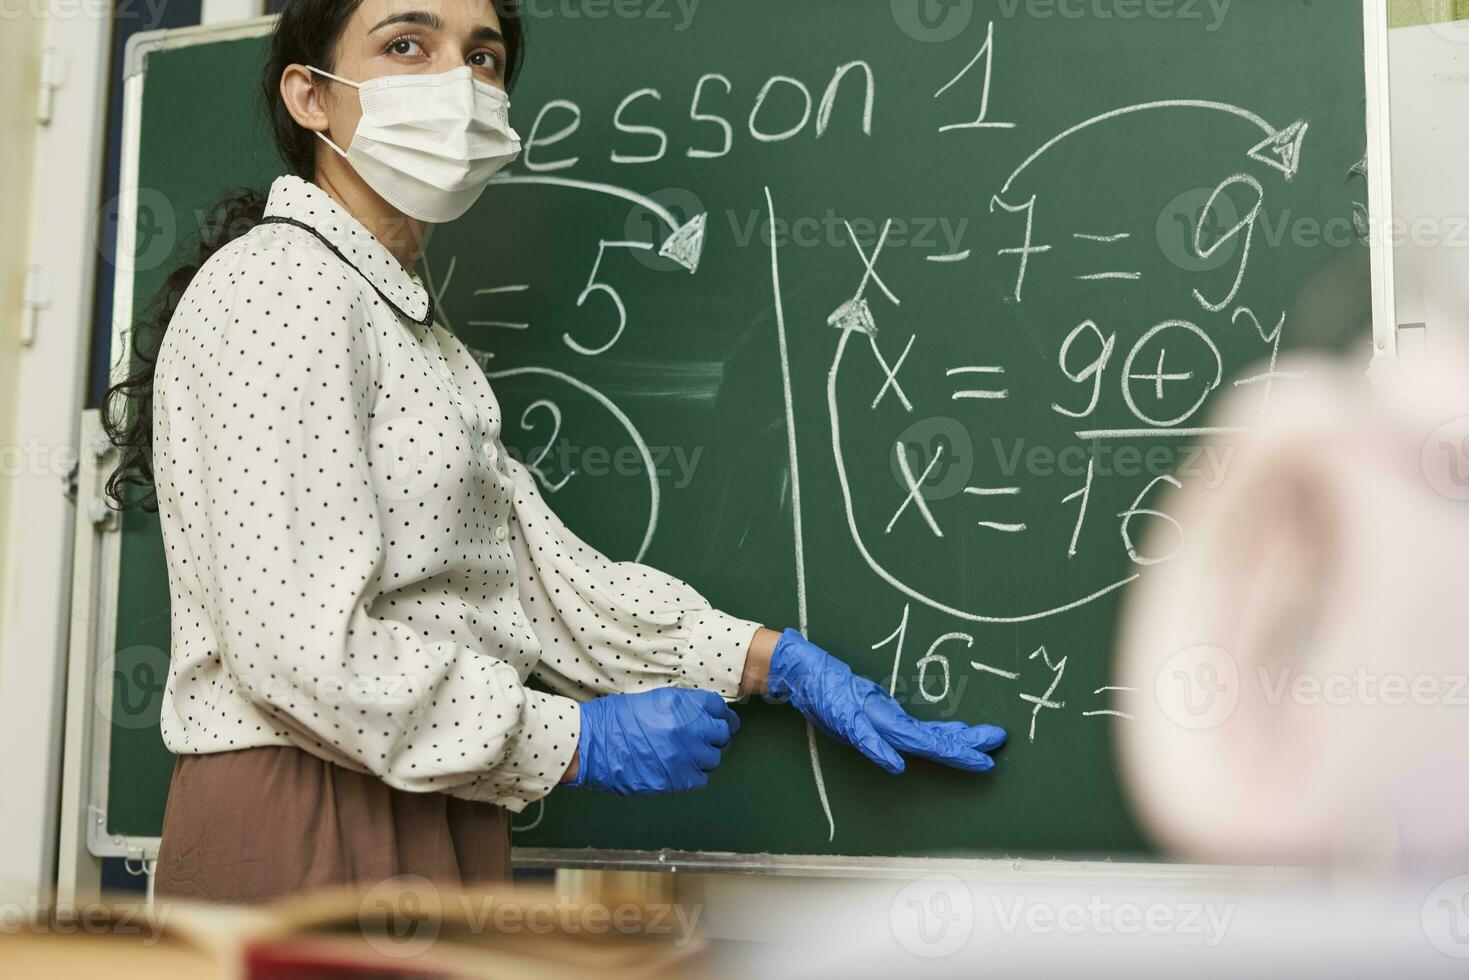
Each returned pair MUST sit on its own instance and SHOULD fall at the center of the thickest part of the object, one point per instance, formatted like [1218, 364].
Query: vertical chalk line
[801, 612]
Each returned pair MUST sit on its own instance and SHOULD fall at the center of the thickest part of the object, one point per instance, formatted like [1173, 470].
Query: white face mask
[429, 144]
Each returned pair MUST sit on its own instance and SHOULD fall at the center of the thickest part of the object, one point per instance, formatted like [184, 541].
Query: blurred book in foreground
[401, 928]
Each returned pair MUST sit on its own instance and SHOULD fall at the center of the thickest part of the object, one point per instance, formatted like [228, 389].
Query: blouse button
[501, 533]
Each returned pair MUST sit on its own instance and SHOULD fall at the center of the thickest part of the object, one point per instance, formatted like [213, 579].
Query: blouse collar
[301, 203]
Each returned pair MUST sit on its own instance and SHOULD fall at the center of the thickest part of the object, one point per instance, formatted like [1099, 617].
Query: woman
[350, 648]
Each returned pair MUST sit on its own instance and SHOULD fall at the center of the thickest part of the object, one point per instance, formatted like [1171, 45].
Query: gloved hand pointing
[663, 741]
[855, 710]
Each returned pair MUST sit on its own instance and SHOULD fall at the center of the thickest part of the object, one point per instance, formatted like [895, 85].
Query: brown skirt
[253, 825]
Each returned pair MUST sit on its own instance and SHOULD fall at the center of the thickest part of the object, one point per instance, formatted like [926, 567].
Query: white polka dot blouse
[356, 566]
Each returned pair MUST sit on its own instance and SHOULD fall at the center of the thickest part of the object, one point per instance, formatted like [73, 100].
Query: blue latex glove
[663, 741]
[857, 711]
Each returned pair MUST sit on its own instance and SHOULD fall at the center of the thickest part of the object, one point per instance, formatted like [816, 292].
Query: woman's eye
[405, 47]
[485, 59]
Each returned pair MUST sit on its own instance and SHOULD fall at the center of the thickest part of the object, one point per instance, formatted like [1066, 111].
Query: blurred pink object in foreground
[1300, 670]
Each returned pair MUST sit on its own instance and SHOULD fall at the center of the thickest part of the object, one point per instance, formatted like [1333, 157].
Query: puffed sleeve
[611, 627]
[289, 536]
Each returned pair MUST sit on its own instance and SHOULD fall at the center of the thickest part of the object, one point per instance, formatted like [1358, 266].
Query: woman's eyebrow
[421, 18]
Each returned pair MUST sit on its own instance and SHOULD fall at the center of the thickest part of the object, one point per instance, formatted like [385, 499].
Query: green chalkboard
[1171, 185]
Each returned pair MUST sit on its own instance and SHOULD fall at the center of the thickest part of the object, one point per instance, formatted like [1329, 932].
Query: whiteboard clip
[102, 516]
[37, 297]
[1412, 346]
[53, 76]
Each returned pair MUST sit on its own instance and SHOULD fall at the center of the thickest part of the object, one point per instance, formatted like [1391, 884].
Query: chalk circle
[1178, 223]
[1445, 459]
[649, 466]
[401, 917]
[1198, 688]
[1446, 917]
[407, 455]
[933, 917]
[642, 225]
[959, 609]
[933, 21]
[1182, 328]
[921, 441]
[540, 814]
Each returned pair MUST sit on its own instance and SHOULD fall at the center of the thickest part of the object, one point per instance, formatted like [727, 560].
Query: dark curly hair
[306, 34]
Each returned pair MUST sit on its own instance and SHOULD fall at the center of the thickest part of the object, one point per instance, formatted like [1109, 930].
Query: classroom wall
[20, 72]
[1430, 99]
[61, 195]
[1410, 13]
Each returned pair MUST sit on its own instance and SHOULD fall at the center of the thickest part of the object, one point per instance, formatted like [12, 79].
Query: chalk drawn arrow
[854, 315]
[685, 242]
[1280, 149]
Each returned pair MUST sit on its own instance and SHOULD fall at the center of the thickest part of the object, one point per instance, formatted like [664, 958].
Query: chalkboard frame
[98, 550]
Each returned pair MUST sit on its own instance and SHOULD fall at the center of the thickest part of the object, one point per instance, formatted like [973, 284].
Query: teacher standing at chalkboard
[351, 644]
